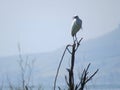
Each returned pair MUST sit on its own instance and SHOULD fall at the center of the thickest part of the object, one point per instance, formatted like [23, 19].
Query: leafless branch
[26, 69]
[70, 79]
[59, 66]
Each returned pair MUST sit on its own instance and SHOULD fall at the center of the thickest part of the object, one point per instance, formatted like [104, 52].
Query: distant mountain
[103, 53]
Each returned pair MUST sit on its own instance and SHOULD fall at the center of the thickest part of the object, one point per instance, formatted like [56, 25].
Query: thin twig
[84, 78]
[92, 76]
[59, 66]
[78, 43]
[69, 51]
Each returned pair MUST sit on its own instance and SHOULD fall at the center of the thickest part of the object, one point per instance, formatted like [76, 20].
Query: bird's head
[75, 17]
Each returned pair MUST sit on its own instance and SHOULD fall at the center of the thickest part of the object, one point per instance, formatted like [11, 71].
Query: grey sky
[44, 25]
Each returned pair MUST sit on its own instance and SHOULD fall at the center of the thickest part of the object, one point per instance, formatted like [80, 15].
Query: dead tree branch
[70, 79]
[85, 78]
[60, 64]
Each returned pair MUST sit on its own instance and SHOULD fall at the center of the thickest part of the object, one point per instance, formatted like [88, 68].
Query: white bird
[76, 26]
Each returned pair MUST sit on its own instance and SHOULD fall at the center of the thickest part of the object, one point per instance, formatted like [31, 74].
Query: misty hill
[103, 53]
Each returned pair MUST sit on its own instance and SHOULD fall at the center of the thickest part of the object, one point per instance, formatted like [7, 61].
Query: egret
[76, 26]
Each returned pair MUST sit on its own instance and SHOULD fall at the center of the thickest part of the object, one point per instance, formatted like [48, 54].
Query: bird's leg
[77, 42]
[73, 39]
[76, 39]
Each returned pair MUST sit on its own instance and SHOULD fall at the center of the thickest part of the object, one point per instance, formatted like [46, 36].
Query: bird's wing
[79, 22]
[75, 27]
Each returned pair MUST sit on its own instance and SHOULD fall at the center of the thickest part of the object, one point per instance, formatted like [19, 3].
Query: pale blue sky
[44, 25]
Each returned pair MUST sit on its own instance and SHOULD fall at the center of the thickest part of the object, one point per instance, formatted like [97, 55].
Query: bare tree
[26, 70]
[70, 78]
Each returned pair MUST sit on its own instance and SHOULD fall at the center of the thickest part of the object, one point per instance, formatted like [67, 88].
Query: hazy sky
[44, 25]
